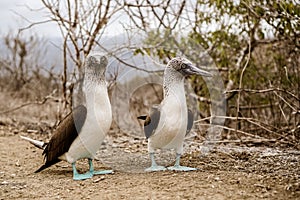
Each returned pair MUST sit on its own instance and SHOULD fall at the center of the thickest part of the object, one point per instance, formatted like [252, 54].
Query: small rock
[81, 184]
[4, 183]
[17, 164]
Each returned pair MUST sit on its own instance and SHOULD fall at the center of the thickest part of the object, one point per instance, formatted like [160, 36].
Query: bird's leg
[177, 161]
[178, 167]
[91, 166]
[154, 166]
[98, 172]
[77, 176]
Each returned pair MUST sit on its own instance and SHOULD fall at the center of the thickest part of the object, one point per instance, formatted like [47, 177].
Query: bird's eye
[183, 66]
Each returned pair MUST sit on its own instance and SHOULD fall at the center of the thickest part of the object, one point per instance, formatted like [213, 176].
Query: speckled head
[95, 67]
[185, 67]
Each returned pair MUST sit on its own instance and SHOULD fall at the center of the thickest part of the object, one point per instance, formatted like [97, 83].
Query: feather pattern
[190, 121]
[63, 137]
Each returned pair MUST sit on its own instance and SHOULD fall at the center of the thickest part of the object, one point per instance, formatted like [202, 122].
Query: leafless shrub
[255, 46]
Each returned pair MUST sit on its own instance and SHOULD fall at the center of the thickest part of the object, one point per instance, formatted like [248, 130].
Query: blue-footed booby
[169, 122]
[80, 133]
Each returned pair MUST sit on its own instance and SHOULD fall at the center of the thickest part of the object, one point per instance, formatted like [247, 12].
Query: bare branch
[264, 91]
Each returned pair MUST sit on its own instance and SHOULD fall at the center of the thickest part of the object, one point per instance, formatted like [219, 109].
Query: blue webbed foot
[181, 168]
[77, 176]
[178, 167]
[90, 173]
[155, 168]
[103, 172]
[98, 172]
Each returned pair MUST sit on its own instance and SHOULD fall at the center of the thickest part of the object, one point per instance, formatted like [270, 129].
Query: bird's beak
[193, 70]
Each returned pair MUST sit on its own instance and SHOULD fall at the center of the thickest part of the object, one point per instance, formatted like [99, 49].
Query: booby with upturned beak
[81, 133]
[168, 123]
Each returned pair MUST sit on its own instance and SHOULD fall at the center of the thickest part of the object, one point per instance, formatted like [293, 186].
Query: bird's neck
[174, 103]
[97, 100]
[173, 84]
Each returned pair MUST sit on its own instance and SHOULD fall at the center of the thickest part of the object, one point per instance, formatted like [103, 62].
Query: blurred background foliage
[256, 47]
[254, 44]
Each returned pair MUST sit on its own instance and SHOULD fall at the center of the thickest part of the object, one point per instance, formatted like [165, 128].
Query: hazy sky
[16, 14]
[11, 12]
[11, 21]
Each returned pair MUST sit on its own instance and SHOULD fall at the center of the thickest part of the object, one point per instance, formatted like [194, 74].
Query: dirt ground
[228, 172]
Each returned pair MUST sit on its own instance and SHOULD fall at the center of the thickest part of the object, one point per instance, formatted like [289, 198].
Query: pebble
[4, 182]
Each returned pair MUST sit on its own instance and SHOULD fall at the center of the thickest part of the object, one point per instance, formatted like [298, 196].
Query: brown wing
[190, 121]
[63, 136]
[151, 122]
